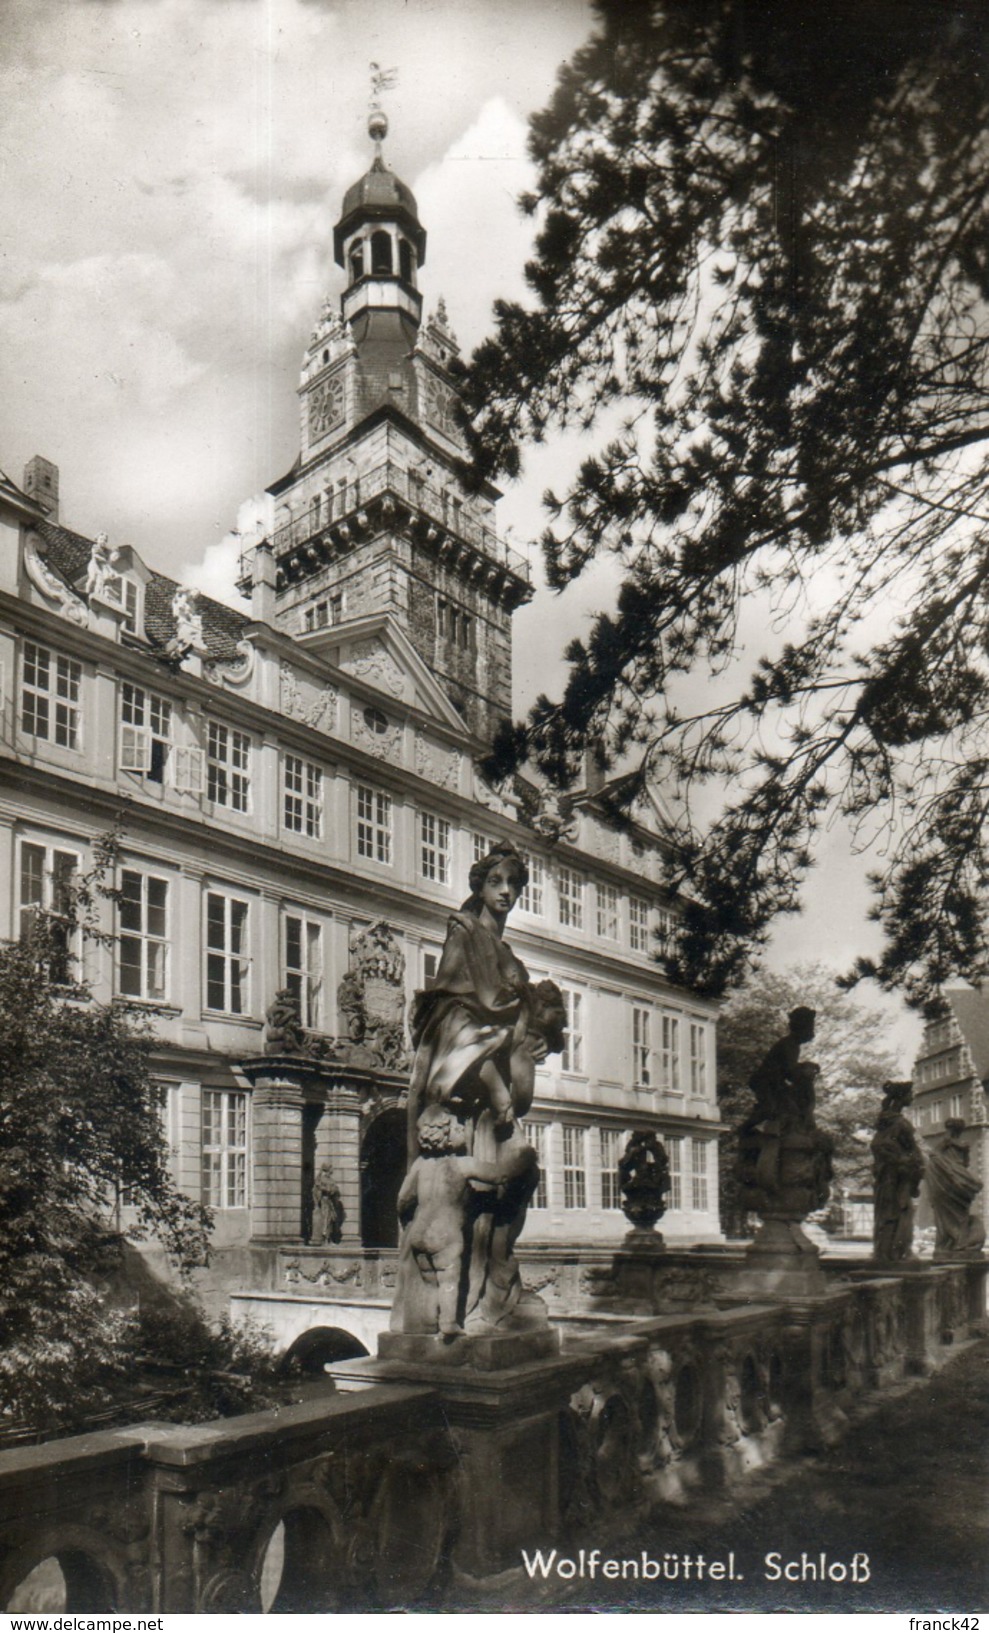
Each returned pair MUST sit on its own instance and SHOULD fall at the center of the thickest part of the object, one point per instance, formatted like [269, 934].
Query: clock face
[439, 407]
[325, 407]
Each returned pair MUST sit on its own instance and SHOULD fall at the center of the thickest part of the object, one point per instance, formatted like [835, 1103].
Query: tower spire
[382, 79]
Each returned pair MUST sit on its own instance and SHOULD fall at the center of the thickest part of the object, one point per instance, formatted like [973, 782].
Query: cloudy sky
[171, 171]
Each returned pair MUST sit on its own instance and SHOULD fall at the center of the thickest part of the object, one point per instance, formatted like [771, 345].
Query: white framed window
[536, 1135]
[228, 767]
[570, 890]
[574, 1166]
[669, 1054]
[302, 797]
[126, 593]
[698, 1175]
[666, 924]
[638, 924]
[572, 1059]
[608, 921]
[374, 824]
[224, 1129]
[227, 956]
[434, 847]
[611, 1145]
[698, 1058]
[51, 688]
[143, 942]
[955, 1106]
[641, 1047]
[674, 1151]
[480, 846]
[302, 967]
[46, 876]
[145, 731]
[533, 897]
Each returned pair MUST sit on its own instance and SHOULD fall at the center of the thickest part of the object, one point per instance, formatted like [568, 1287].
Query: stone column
[276, 1203]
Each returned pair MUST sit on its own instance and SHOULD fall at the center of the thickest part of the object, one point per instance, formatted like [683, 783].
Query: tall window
[373, 824]
[674, 1151]
[669, 1054]
[533, 896]
[50, 693]
[303, 968]
[143, 945]
[536, 1133]
[125, 593]
[480, 845]
[303, 797]
[611, 1142]
[224, 1148]
[571, 892]
[228, 767]
[574, 1166]
[46, 875]
[955, 1106]
[227, 961]
[638, 924]
[608, 912]
[698, 1175]
[145, 731]
[572, 1059]
[666, 926]
[434, 847]
[641, 1047]
[698, 1059]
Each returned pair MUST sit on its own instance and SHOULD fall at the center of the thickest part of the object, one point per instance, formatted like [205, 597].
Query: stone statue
[479, 1030]
[101, 568]
[188, 621]
[898, 1166]
[328, 1212]
[785, 1162]
[283, 1032]
[780, 1096]
[644, 1177]
[952, 1189]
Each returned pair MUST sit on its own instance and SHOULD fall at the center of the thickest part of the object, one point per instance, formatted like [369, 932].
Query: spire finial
[382, 79]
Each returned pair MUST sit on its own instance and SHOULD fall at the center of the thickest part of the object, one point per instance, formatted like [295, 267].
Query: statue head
[802, 1022]
[898, 1093]
[548, 1015]
[503, 853]
[954, 1126]
[439, 1133]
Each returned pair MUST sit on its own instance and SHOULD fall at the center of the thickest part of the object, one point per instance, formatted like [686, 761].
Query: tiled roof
[971, 1010]
[68, 553]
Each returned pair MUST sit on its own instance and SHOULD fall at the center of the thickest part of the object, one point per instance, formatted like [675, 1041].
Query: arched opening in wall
[405, 259]
[381, 254]
[356, 263]
[383, 1161]
[67, 1581]
[297, 1570]
[320, 1347]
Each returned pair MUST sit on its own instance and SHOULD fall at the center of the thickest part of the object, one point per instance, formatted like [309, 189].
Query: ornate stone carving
[236, 673]
[50, 586]
[383, 741]
[644, 1177]
[283, 1032]
[438, 765]
[188, 635]
[371, 661]
[551, 814]
[785, 1161]
[371, 998]
[303, 700]
[101, 569]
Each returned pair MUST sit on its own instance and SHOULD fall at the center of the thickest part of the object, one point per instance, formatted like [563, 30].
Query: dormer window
[125, 593]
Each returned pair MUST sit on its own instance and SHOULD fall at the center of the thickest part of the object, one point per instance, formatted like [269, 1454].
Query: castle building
[302, 803]
[950, 1079]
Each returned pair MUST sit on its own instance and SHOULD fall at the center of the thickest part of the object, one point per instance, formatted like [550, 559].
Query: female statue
[898, 1167]
[478, 1031]
[952, 1190]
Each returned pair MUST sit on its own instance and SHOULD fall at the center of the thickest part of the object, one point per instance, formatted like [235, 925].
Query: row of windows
[935, 1071]
[936, 1111]
[569, 1186]
[662, 1066]
[50, 709]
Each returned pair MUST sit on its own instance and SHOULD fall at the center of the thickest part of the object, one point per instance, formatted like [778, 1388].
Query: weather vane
[382, 79]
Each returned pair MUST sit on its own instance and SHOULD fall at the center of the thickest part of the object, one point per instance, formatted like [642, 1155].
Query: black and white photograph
[494, 779]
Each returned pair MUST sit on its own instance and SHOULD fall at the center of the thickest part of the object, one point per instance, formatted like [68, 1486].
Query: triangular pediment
[377, 652]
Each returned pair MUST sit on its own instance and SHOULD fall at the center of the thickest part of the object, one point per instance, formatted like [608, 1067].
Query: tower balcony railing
[436, 503]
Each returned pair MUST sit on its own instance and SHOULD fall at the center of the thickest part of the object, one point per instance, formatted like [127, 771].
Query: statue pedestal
[482, 1351]
[642, 1240]
[782, 1261]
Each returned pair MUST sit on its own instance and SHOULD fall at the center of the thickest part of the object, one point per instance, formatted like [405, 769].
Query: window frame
[55, 701]
[609, 1155]
[305, 982]
[642, 1046]
[435, 848]
[572, 1054]
[377, 826]
[302, 803]
[574, 1166]
[228, 775]
[608, 912]
[228, 954]
[149, 730]
[670, 1061]
[148, 942]
[231, 1170]
[51, 882]
[570, 898]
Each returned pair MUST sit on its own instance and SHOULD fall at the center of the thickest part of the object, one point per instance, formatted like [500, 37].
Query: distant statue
[188, 620]
[283, 1032]
[328, 1212]
[644, 1178]
[479, 1030]
[101, 568]
[952, 1189]
[781, 1093]
[898, 1167]
[785, 1162]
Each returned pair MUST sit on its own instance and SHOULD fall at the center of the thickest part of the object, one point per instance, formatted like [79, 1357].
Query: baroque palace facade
[302, 803]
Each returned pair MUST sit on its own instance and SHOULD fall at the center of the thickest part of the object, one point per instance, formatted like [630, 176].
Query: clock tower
[373, 516]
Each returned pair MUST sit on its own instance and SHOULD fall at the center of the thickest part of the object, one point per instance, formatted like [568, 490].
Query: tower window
[356, 263]
[381, 253]
[405, 259]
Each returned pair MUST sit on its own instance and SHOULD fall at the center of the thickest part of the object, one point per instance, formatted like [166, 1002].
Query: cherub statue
[188, 620]
[283, 1033]
[102, 562]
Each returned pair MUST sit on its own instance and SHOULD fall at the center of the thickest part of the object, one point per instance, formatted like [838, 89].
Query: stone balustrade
[426, 1480]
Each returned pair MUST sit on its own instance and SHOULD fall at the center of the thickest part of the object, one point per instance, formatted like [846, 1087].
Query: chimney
[263, 583]
[594, 773]
[41, 485]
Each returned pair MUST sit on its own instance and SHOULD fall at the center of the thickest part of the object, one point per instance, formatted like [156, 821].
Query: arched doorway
[320, 1347]
[383, 1160]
